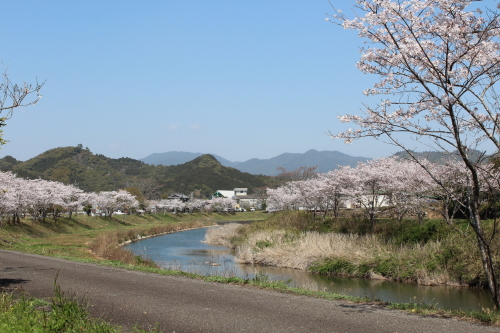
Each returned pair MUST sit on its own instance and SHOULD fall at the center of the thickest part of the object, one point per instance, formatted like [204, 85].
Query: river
[186, 251]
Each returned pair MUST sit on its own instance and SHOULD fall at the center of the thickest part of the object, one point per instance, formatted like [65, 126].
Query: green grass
[72, 238]
[20, 313]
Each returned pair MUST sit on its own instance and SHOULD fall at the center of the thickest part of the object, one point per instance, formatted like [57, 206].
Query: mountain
[74, 165]
[7, 163]
[441, 157]
[325, 160]
[206, 170]
[180, 157]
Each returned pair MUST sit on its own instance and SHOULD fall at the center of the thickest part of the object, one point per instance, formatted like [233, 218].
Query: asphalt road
[180, 304]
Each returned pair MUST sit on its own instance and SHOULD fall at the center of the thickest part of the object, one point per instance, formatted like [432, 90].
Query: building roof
[178, 196]
[252, 196]
[225, 193]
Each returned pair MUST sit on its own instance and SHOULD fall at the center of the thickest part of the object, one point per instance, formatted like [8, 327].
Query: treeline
[40, 198]
[396, 186]
[94, 173]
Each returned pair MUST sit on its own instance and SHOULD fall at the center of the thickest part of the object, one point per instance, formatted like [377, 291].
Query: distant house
[252, 200]
[234, 194]
[224, 194]
[240, 191]
[243, 200]
[179, 196]
[382, 200]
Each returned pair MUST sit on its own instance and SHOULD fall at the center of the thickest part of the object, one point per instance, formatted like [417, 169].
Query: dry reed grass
[108, 246]
[222, 235]
[301, 250]
[285, 248]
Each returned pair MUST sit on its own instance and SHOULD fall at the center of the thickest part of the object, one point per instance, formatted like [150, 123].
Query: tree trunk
[487, 259]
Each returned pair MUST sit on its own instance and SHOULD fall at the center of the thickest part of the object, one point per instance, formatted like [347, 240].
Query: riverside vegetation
[431, 253]
[61, 313]
[98, 240]
[88, 239]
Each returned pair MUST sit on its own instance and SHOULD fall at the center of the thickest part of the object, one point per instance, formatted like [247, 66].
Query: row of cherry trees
[40, 198]
[404, 186]
[218, 204]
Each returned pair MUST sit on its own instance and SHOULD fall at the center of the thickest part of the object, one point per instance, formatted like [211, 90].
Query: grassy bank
[89, 239]
[431, 253]
[20, 313]
[76, 237]
[96, 239]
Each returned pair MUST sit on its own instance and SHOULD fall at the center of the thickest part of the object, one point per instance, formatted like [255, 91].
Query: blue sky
[240, 79]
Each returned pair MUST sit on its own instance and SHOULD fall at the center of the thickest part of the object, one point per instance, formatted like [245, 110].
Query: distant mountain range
[441, 158]
[159, 175]
[202, 175]
[324, 160]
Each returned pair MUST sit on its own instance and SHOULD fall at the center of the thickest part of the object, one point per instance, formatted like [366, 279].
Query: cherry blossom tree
[45, 198]
[195, 204]
[87, 201]
[439, 65]
[408, 186]
[450, 188]
[111, 201]
[336, 186]
[72, 199]
[126, 201]
[283, 198]
[220, 204]
[11, 201]
[13, 96]
[370, 185]
[153, 206]
[175, 204]
[105, 202]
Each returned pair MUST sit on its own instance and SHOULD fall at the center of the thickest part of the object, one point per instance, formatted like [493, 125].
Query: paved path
[185, 305]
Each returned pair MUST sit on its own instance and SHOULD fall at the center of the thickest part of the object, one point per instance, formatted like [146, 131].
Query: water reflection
[185, 251]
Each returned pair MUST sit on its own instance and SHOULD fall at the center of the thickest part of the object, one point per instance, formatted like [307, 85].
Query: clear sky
[240, 79]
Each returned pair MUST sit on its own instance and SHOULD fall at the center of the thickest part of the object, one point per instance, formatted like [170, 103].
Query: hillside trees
[439, 66]
[95, 173]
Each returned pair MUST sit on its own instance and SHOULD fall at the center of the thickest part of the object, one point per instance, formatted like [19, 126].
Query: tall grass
[222, 235]
[73, 236]
[396, 254]
[60, 314]
[20, 313]
[109, 245]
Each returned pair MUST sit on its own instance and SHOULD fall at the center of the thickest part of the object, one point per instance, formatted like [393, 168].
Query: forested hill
[73, 165]
[439, 157]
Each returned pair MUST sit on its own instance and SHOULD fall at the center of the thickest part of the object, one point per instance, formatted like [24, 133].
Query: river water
[186, 251]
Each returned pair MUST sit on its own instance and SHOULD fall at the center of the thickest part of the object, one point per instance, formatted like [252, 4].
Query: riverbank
[71, 239]
[427, 254]
[87, 239]
[127, 298]
[83, 237]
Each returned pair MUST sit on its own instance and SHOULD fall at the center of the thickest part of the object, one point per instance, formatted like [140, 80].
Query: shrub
[338, 266]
